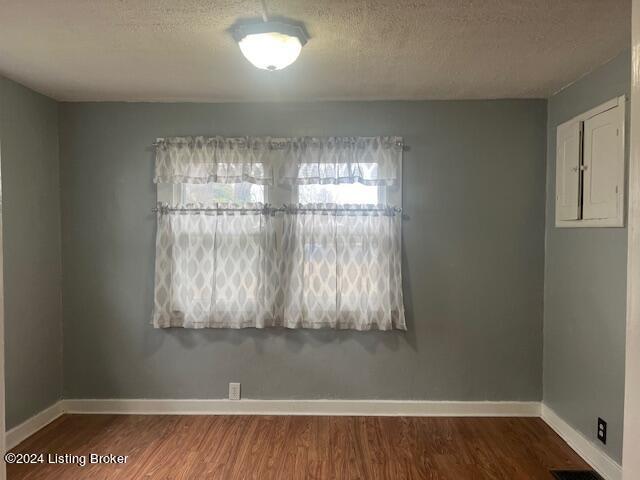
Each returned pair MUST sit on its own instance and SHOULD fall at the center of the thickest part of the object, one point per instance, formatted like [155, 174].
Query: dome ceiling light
[270, 44]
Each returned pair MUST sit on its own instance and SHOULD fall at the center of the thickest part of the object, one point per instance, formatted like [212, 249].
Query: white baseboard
[30, 426]
[592, 454]
[269, 407]
[306, 407]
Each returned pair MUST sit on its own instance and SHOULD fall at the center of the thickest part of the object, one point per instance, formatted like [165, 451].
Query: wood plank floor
[270, 447]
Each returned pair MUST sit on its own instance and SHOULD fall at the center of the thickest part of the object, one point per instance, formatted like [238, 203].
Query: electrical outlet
[234, 391]
[602, 430]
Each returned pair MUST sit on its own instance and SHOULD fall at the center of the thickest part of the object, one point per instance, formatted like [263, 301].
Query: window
[210, 193]
[341, 194]
[336, 265]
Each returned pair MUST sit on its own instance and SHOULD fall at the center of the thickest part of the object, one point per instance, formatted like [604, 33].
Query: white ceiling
[179, 50]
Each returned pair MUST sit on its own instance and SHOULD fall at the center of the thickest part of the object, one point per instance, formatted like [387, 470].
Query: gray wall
[585, 283]
[474, 182]
[32, 265]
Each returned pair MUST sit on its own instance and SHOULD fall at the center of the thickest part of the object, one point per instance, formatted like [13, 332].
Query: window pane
[223, 193]
[340, 194]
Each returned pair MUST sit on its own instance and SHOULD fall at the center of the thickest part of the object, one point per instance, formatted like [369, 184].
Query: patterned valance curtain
[214, 160]
[333, 160]
[302, 160]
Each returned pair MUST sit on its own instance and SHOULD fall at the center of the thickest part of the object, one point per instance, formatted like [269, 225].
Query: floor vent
[576, 475]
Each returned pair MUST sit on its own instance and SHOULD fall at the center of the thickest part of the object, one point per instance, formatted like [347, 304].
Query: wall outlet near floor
[234, 391]
[602, 430]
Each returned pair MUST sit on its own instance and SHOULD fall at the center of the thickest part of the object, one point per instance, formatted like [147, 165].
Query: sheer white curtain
[342, 268]
[337, 266]
[216, 268]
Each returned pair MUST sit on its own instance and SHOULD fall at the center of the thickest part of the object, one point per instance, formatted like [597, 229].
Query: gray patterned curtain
[342, 268]
[216, 269]
[336, 266]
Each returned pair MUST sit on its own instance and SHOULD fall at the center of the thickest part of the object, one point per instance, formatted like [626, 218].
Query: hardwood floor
[296, 447]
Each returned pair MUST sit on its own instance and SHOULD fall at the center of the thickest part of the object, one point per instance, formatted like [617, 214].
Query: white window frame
[174, 194]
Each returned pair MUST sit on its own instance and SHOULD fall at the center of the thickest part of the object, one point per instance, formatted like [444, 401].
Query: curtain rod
[275, 142]
[163, 209]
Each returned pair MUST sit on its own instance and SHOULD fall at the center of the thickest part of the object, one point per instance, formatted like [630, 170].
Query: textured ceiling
[179, 50]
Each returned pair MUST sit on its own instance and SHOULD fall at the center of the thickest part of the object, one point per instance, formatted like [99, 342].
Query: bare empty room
[357, 239]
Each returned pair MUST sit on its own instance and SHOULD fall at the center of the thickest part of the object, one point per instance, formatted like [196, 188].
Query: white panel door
[603, 165]
[568, 171]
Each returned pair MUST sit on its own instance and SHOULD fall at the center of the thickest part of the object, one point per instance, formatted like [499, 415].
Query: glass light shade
[271, 50]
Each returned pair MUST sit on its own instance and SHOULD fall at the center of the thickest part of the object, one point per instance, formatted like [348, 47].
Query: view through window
[210, 193]
[339, 194]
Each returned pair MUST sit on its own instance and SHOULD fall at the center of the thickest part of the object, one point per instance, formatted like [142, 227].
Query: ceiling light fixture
[270, 44]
